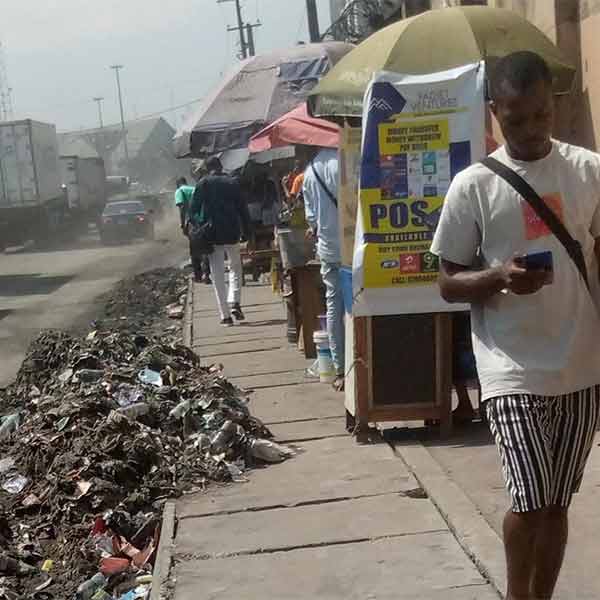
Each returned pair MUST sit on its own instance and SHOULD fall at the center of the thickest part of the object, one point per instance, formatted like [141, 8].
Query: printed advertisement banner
[419, 131]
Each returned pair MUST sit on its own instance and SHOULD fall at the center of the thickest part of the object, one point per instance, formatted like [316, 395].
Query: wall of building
[589, 117]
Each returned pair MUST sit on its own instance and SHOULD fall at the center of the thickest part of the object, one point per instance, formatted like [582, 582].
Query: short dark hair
[181, 181]
[214, 164]
[520, 70]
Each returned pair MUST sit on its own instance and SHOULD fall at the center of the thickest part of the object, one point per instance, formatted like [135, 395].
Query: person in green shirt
[183, 201]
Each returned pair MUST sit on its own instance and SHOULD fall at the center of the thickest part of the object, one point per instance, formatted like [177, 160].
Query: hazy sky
[58, 52]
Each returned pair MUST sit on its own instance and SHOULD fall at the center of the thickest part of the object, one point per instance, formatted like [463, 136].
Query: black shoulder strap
[544, 212]
[322, 184]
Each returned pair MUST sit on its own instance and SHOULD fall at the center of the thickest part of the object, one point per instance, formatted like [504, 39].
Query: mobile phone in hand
[538, 261]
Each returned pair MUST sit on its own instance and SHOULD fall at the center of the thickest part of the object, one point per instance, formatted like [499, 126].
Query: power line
[158, 113]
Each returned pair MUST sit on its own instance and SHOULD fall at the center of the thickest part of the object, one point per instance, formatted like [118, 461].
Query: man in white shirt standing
[320, 207]
[536, 335]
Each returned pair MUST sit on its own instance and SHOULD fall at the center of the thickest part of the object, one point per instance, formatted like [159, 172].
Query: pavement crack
[316, 502]
[287, 421]
[232, 353]
[291, 548]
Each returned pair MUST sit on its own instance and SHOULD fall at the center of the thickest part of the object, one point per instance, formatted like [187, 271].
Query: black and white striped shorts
[544, 443]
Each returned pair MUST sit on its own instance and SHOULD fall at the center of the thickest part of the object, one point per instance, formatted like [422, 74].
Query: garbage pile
[138, 303]
[98, 433]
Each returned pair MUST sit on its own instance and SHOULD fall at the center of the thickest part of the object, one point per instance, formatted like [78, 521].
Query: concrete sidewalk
[338, 522]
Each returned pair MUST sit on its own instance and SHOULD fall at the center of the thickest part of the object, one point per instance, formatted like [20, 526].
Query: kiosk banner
[419, 131]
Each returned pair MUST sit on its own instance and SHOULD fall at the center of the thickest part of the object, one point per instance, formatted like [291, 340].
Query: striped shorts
[544, 443]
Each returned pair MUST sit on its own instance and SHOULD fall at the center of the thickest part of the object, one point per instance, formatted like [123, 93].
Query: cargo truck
[32, 202]
[84, 180]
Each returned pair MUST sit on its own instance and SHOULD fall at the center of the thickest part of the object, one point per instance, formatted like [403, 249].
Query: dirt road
[58, 288]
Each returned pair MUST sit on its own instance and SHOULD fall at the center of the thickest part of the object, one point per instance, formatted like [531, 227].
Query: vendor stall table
[309, 303]
[401, 370]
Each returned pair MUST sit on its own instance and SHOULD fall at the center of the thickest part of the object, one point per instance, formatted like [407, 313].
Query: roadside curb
[476, 537]
[164, 558]
[188, 319]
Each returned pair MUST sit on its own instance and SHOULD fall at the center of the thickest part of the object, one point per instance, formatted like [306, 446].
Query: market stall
[421, 99]
[300, 271]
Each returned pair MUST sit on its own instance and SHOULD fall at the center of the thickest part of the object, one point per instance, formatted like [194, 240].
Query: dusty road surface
[59, 287]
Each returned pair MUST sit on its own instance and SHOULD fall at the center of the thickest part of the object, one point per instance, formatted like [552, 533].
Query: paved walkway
[337, 522]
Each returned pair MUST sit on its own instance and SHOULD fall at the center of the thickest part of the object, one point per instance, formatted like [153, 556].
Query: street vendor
[287, 183]
[502, 240]
[321, 208]
[183, 201]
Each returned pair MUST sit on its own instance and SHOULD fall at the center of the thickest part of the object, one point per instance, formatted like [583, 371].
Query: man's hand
[522, 281]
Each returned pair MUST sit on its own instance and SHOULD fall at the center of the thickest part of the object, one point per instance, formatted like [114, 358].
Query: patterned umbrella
[256, 93]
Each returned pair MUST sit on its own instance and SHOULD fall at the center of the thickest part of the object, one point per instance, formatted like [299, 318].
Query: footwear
[228, 322]
[207, 280]
[198, 278]
[236, 311]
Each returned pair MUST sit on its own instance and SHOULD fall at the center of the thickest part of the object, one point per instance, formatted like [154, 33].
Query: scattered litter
[47, 566]
[10, 424]
[269, 451]
[15, 484]
[110, 426]
[150, 377]
[6, 464]
[175, 311]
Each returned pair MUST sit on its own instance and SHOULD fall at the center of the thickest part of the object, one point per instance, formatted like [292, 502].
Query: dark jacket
[218, 199]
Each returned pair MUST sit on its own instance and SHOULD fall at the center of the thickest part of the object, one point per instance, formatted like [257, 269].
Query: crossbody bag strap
[322, 184]
[543, 211]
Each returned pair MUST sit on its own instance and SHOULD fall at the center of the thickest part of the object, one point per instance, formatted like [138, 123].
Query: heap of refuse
[98, 433]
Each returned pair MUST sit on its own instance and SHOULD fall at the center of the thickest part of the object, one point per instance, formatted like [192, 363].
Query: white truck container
[31, 200]
[85, 182]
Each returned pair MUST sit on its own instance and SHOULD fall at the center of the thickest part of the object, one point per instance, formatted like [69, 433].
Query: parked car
[126, 220]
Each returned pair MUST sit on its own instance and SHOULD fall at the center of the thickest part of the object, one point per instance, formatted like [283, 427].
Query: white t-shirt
[547, 343]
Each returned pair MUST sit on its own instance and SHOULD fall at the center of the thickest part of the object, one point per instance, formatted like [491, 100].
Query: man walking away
[536, 330]
[320, 207]
[218, 200]
[183, 201]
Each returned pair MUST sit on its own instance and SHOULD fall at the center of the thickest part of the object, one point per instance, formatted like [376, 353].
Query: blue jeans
[330, 273]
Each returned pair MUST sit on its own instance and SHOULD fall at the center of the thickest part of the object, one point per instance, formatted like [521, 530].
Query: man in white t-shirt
[536, 342]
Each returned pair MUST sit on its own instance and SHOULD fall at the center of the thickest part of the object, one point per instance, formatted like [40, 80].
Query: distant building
[149, 142]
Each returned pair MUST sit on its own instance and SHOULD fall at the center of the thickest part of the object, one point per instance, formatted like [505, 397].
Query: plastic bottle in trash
[88, 588]
[270, 451]
[9, 425]
[220, 441]
[134, 410]
[181, 409]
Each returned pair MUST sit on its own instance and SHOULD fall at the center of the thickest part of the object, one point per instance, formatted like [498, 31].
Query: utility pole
[100, 142]
[116, 69]
[313, 21]
[99, 100]
[240, 27]
[6, 111]
[250, 37]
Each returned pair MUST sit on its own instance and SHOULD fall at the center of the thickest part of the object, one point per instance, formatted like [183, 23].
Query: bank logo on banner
[385, 101]
[379, 104]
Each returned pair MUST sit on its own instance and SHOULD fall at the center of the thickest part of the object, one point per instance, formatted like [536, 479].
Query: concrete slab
[274, 308]
[313, 429]
[332, 468]
[209, 327]
[318, 524]
[381, 570]
[286, 404]
[244, 337]
[471, 530]
[240, 347]
[472, 461]
[264, 363]
[286, 378]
